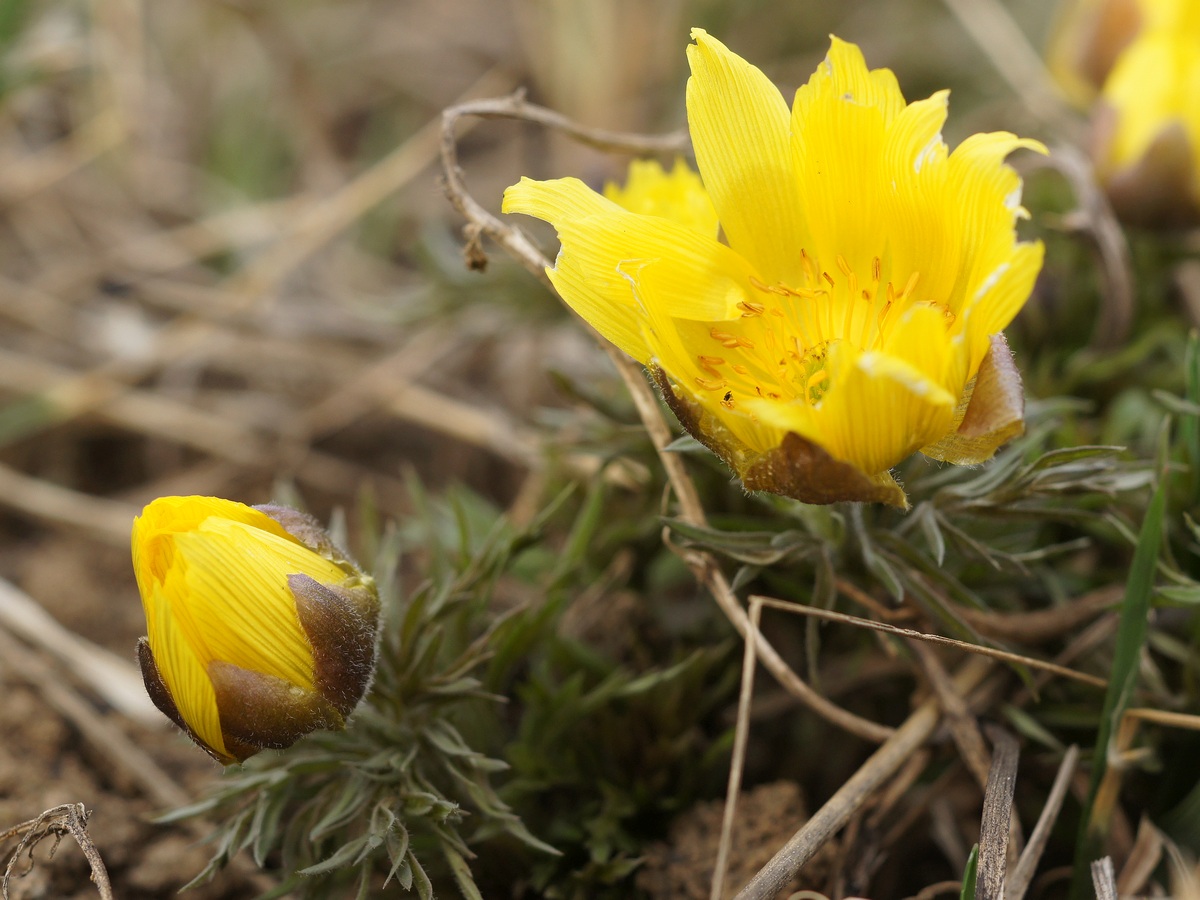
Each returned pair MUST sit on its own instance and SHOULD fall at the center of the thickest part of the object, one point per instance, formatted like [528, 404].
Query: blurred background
[227, 267]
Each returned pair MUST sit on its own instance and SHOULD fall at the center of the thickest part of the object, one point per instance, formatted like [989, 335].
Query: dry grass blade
[1143, 859]
[880, 766]
[1022, 876]
[997, 814]
[963, 727]
[1002, 655]
[57, 822]
[738, 762]
[1103, 879]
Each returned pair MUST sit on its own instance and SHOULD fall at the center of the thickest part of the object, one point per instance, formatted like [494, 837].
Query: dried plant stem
[880, 766]
[738, 763]
[70, 818]
[514, 242]
[1003, 655]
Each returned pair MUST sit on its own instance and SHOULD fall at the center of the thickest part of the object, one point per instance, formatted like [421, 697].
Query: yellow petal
[839, 119]
[233, 596]
[604, 250]
[1000, 297]
[182, 671]
[879, 410]
[739, 124]
[678, 196]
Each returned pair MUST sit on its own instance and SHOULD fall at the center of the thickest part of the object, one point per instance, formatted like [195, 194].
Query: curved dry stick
[521, 248]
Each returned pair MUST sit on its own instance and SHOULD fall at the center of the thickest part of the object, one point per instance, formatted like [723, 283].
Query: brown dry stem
[56, 822]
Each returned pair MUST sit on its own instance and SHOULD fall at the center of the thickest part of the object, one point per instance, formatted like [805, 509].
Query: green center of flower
[778, 349]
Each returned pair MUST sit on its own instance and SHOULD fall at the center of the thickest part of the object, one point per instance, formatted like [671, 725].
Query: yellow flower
[851, 313]
[1147, 129]
[1086, 41]
[259, 629]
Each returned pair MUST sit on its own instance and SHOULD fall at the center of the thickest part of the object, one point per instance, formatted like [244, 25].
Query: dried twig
[738, 763]
[56, 822]
[1003, 655]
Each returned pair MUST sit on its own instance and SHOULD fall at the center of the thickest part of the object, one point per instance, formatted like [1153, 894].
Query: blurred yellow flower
[1138, 63]
[1147, 141]
[851, 313]
[259, 630]
[1086, 41]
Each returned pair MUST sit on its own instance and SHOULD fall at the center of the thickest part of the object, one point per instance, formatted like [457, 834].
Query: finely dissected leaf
[1131, 636]
[757, 548]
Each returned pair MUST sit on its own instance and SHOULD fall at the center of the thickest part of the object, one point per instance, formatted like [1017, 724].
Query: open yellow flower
[259, 630]
[1147, 142]
[850, 316]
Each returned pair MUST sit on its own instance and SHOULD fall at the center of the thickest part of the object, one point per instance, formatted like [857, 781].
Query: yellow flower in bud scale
[259, 630]
[852, 314]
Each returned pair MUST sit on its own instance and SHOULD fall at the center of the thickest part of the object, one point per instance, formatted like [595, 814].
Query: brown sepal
[161, 697]
[259, 710]
[797, 468]
[991, 412]
[341, 627]
[308, 531]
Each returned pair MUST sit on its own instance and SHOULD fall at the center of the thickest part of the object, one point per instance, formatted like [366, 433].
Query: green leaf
[1131, 636]
[462, 873]
[968, 882]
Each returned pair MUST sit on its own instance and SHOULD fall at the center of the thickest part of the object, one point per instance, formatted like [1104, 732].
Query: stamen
[828, 278]
[741, 370]
[711, 385]
[911, 285]
[876, 269]
[843, 265]
[751, 309]
[809, 269]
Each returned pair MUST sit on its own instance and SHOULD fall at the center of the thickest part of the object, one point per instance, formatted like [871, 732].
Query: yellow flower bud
[259, 629]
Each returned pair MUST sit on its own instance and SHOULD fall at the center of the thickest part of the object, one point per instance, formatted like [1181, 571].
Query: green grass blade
[968, 884]
[1131, 636]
